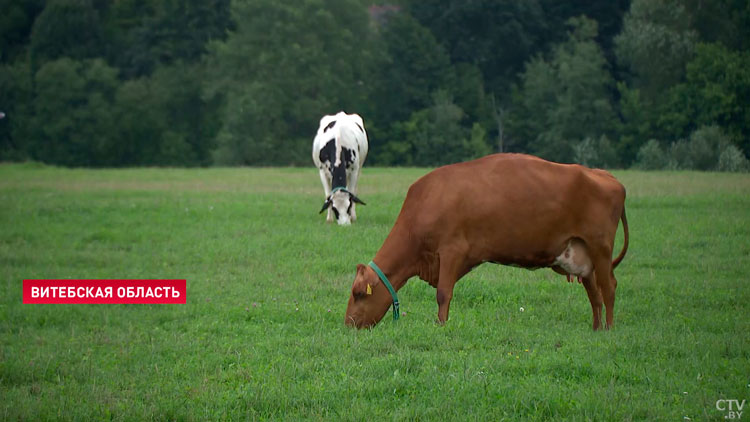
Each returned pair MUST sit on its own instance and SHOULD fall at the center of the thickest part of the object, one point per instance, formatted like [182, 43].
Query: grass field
[262, 335]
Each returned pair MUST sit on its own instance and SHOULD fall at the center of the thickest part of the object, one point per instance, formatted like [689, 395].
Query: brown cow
[509, 209]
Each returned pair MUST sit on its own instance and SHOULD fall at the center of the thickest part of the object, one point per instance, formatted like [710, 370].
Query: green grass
[262, 334]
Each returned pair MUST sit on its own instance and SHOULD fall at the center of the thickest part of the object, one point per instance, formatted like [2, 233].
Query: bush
[679, 157]
[585, 153]
[435, 135]
[650, 156]
[595, 153]
[706, 143]
[476, 146]
[703, 151]
[732, 159]
[608, 156]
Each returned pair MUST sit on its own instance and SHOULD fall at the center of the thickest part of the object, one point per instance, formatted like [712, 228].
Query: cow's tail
[625, 239]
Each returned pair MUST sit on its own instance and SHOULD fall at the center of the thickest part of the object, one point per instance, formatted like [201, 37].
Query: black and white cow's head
[340, 201]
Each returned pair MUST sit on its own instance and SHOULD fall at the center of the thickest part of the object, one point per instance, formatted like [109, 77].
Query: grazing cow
[509, 209]
[339, 151]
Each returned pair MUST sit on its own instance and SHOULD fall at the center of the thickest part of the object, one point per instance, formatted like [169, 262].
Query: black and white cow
[339, 151]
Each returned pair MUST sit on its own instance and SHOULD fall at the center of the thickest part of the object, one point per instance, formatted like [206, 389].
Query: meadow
[262, 335]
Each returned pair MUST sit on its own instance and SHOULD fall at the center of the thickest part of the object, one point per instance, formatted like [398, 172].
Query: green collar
[388, 285]
[338, 188]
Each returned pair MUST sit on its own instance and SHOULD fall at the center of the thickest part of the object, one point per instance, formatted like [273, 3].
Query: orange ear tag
[369, 290]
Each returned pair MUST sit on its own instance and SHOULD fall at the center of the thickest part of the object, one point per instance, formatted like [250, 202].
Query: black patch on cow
[347, 157]
[360, 127]
[327, 157]
[330, 125]
[328, 153]
[335, 212]
[339, 172]
[338, 177]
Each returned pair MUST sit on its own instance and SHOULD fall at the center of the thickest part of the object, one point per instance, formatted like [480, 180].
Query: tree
[651, 156]
[72, 120]
[436, 136]
[608, 15]
[146, 34]
[413, 67]
[715, 91]
[655, 44]
[637, 123]
[721, 21]
[15, 26]
[162, 119]
[280, 70]
[470, 94]
[496, 36]
[16, 102]
[565, 99]
[718, 91]
[140, 125]
[66, 28]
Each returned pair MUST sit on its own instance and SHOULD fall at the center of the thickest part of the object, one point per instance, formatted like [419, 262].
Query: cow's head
[341, 202]
[369, 299]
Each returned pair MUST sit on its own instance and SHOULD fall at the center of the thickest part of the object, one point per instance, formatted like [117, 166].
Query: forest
[650, 84]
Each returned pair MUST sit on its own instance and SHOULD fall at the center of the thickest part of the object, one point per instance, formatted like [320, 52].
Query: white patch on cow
[574, 259]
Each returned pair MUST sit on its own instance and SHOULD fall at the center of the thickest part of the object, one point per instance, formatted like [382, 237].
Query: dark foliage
[241, 82]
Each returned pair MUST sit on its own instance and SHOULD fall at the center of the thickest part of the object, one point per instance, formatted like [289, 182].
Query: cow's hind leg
[595, 297]
[606, 284]
[576, 261]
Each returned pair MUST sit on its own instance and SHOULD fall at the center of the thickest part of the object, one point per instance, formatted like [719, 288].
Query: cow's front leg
[449, 274]
[444, 296]
[326, 181]
[351, 186]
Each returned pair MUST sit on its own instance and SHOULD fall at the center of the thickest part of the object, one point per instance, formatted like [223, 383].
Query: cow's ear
[326, 204]
[361, 286]
[355, 199]
[359, 290]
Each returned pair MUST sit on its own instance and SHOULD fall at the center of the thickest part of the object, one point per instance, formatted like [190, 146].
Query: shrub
[595, 153]
[607, 153]
[678, 156]
[705, 145]
[650, 156]
[476, 146]
[702, 151]
[732, 159]
[584, 153]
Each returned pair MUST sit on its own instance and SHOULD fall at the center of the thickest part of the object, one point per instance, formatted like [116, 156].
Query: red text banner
[104, 291]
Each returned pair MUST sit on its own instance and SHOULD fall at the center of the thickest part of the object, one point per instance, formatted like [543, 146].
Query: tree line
[645, 83]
